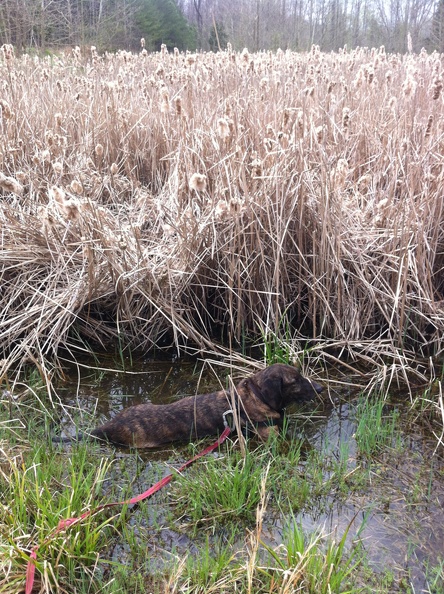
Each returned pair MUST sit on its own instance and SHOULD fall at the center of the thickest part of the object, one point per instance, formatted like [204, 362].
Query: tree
[161, 22]
[218, 37]
[437, 29]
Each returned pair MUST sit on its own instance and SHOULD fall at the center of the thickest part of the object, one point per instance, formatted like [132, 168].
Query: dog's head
[279, 385]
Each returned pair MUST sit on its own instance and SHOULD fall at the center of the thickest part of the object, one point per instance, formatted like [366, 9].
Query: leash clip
[224, 416]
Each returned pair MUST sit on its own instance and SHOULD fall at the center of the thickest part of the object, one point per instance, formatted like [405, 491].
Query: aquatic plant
[297, 186]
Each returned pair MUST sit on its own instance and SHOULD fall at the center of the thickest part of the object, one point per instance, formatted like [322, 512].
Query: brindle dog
[258, 400]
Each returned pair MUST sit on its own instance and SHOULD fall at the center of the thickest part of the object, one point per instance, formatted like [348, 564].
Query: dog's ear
[270, 390]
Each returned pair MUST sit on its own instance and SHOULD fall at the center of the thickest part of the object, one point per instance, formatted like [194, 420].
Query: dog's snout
[317, 387]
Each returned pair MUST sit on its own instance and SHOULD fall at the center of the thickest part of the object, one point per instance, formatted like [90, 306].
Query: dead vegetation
[169, 199]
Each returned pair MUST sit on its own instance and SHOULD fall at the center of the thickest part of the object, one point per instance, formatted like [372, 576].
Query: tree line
[399, 25]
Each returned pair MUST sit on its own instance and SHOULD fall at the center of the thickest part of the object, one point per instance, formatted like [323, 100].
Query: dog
[257, 401]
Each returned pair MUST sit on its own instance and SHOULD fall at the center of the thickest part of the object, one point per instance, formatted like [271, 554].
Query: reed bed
[198, 200]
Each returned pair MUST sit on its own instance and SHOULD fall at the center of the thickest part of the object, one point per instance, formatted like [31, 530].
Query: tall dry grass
[169, 199]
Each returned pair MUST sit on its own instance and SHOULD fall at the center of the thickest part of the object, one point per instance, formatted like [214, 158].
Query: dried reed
[305, 187]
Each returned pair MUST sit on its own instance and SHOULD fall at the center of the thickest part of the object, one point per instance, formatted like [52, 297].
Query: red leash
[68, 522]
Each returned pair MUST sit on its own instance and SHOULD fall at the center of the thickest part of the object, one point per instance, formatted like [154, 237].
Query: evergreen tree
[161, 22]
[218, 38]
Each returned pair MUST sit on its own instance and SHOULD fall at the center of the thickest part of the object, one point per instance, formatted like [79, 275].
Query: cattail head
[319, 133]
[178, 105]
[165, 100]
[57, 167]
[429, 126]
[198, 182]
[99, 151]
[76, 187]
[285, 117]
[223, 128]
[142, 42]
[114, 169]
[69, 207]
[5, 110]
[7, 51]
[436, 87]
[340, 174]
[45, 156]
[9, 184]
[409, 85]
[221, 210]
[256, 166]
[345, 118]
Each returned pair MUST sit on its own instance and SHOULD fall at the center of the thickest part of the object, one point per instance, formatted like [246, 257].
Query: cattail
[165, 104]
[429, 126]
[198, 182]
[5, 109]
[58, 119]
[256, 167]
[436, 87]
[76, 187]
[9, 184]
[409, 85]
[114, 169]
[163, 49]
[364, 183]
[388, 76]
[245, 56]
[70, 208]
[7, 50]
[285, 117]
[409, 43]
[300, 120]
[345, 118]
[223, 128]
[45, 156]
[142, 42]
[360, 77]
[319, 133]
[340, 174]
[99, 151]
[57, 167]
[221, 209]
[178, 105]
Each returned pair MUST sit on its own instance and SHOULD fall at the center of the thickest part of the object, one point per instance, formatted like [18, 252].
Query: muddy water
[398, 517]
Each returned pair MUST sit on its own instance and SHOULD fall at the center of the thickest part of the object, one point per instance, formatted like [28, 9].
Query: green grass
[223, 507]
[313, 564]
[377, 427]
[39, 488]
[224, 488]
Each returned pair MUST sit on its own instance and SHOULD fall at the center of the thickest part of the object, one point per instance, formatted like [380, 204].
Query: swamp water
[396, 512]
